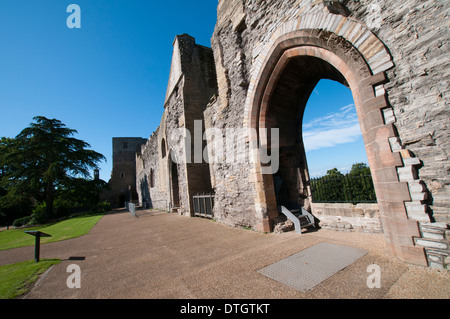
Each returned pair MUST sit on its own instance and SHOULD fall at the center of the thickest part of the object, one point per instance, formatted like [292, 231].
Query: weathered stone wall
[414, 47]
[169, 153]
[394, 57]
[416, 32]
[174, 119]
[151, 187]
[348, 217]
[234, 204]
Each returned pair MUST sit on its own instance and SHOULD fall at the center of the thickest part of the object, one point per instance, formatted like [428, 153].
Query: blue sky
[331, 130]
[109, 78]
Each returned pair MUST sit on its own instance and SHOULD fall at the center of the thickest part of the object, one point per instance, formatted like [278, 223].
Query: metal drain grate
[308, 268]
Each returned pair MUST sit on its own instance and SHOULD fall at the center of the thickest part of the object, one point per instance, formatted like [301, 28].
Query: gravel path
[161, 255]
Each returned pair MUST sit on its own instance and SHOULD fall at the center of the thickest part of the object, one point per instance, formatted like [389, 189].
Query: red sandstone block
[406, 227]
[380, 134]
[395, 191]
[366, 93]
[380, 155]
[413, 255]
[379, 78]
[263, 226]
[393, 210]
[406, 253]
[372, 119]
[385, 174]
[402, 239]
[375, 103]
[390, 249]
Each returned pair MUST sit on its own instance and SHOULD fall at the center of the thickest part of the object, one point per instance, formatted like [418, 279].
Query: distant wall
[348, 217]
[123, 175]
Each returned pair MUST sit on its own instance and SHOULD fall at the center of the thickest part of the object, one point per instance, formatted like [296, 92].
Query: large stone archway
[360, 60]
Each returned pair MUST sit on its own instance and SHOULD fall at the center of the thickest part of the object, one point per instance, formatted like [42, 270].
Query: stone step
[439, 235]
[434, 226]
[433, 244]
[304, 220]
[420, 217]
[441, 253]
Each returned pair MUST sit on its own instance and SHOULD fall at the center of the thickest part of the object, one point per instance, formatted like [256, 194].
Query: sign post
[37, 235]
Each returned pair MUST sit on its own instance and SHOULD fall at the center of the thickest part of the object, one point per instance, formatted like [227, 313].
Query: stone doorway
[292, 66]
[174, 185]
[284, 110]
[122, 199]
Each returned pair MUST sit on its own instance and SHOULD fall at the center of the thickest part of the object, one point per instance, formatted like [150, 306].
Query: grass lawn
[15, 279]
[69, 228]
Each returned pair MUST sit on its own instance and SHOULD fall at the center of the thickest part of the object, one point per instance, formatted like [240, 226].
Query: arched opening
[174, 185]
[285, 110]
[152, 178]
[291, 69]
[122, 199]
[331, 130]
[163, 148]
[335, 151]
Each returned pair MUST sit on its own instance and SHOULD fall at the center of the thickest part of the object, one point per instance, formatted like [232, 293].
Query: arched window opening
[313, 84]
[152, 178]
[175, 188]
[163, 148]
[337, 160]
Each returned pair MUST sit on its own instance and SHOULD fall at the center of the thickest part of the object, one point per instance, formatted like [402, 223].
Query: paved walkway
[161, 255]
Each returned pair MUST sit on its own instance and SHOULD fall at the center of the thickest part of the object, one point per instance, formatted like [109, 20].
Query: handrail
[131, 207]
[292, 218]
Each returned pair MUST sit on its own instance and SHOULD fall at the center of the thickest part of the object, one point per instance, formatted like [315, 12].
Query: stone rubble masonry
[435, 237]
[406, 104]
[348, 217]
[151, 185]
[192, 82]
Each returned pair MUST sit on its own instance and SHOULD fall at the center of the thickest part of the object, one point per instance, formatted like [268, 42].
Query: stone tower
[167, 173]
[123, 176]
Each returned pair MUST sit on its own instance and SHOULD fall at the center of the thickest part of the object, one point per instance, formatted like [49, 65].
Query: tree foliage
[353, 187]
[43, 163]
[14, 204]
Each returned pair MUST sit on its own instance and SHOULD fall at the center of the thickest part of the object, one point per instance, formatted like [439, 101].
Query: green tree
[359, 169]
[82, 192]
[334, 182]
[354, 187]
[14, 203]
[44, 158]
[362, 184]
[334, 172]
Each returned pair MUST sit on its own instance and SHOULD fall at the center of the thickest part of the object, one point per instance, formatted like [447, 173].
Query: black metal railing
[343, 189]
[203, 205]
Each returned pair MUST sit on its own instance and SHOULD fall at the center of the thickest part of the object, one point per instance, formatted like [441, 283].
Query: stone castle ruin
[245, 96]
